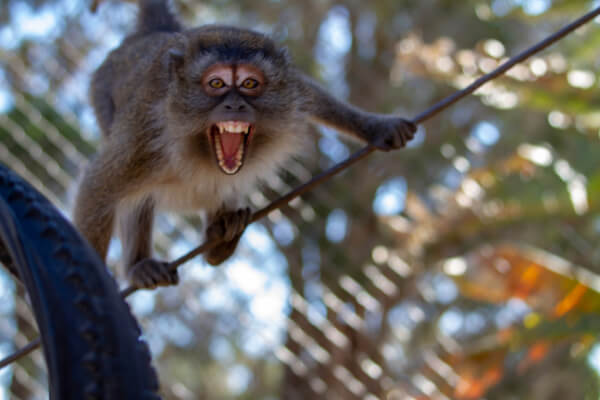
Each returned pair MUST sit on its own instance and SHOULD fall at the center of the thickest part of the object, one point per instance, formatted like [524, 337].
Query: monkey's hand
[226, 226]
[150, 273]
[389, 133]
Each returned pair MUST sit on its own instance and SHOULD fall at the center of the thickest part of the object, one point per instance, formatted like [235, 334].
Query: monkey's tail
[156, 16]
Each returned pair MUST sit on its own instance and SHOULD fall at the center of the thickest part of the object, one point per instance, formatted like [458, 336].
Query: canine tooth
[218, 149]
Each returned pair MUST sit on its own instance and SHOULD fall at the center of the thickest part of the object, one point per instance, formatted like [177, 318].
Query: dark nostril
[240, 107]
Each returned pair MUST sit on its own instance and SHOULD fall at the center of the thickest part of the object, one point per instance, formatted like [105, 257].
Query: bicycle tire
[91, 340]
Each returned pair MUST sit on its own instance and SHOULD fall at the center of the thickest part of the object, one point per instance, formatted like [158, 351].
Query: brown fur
[154, 114]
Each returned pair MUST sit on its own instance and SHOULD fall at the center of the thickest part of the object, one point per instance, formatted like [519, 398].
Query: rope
[359, 155]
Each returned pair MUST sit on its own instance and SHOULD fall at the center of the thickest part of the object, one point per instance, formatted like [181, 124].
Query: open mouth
[230, 141]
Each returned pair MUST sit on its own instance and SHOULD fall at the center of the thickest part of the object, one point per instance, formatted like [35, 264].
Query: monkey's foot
[227, 227]
[217, 255]
[150, 273]
[393, 133]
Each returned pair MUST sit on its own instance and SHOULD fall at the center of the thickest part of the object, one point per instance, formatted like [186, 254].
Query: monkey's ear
[176, 63]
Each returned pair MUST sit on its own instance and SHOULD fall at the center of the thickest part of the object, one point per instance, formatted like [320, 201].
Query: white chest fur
[205, 194]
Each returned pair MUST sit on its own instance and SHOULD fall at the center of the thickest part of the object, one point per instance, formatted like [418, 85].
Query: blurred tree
[463, 267]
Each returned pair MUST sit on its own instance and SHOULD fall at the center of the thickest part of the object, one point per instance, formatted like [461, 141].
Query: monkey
[191, 119]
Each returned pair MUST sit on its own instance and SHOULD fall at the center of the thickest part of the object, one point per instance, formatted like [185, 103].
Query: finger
[143, 281]
[412, 126]
[231, 230]
[399, 140]
[386, 143]
[383, 146]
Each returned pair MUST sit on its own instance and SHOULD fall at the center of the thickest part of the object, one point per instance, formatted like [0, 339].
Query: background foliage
[463, 267]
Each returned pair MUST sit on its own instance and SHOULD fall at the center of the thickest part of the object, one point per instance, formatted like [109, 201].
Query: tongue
[230, 143]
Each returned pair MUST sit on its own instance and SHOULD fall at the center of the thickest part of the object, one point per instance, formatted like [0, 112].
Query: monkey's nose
[235, 107]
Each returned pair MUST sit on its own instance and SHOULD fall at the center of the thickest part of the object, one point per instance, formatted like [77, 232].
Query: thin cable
[23, 351]
[359, 155]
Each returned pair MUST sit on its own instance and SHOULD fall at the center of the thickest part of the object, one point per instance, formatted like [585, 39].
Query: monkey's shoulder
[136, 70]
[139, 52]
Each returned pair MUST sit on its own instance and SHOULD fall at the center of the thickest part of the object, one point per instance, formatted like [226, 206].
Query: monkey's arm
[101, 96]
[386, 132]
[99, 192]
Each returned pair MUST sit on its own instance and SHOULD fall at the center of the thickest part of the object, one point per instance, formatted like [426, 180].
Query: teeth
[228, 170]
[218, 147]
[233, 127]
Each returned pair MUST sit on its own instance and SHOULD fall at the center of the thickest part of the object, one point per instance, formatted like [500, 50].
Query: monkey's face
[232, 101]
[231, 123]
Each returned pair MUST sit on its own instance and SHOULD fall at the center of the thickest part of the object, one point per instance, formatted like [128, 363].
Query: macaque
[191, 119]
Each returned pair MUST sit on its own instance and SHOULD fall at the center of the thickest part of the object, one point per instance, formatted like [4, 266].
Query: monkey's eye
[250, 83]
[216, 83]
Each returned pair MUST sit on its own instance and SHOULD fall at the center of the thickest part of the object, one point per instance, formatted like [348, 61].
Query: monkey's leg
[227, 226]
[135, 230]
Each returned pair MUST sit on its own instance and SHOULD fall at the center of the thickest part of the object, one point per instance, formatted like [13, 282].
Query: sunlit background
[463, 267]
